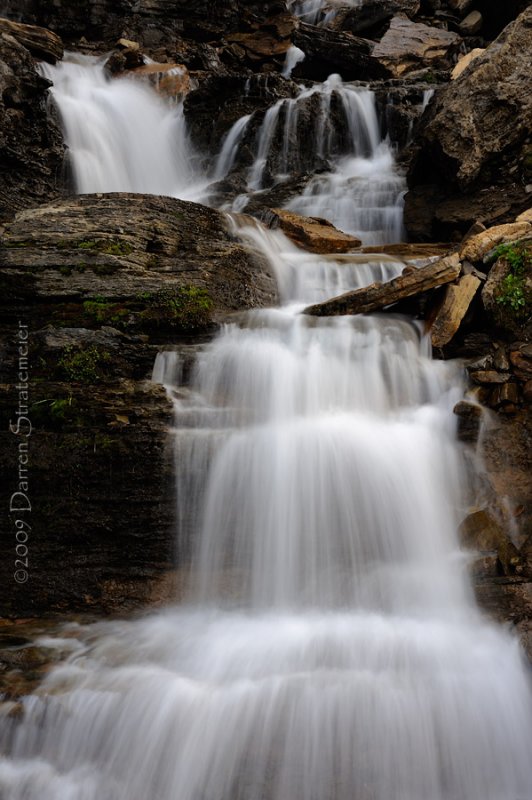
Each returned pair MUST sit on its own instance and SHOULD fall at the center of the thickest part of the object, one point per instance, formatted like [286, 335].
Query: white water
[362, 193]
[330, 648]
[122, 137]
[320, 11]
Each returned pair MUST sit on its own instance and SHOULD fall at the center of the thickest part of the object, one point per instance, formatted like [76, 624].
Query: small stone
[500, 361]
[472, 24]
[489, 376]
[507, 393]
[127, 44]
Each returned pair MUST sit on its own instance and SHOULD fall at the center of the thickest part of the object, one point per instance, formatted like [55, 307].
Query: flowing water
[329, 647]
[332, 127]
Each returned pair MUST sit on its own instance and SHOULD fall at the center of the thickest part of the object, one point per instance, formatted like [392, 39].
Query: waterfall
[330, 647]
[121, 136]
[362, 193]
[320, 11]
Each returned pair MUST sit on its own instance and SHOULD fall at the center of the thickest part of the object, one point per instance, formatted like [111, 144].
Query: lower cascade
[329, 646]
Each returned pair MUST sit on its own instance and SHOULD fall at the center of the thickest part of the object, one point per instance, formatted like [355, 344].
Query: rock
[469, 420]
[378, 295]
[311, 233]
[465, 61]
[506, 394]
[170, 80]
[369, 15]
[455, 305]
[31, 144]
[119, 246]
[408, 46]
[127, 44]
[521, 361]
[507, 293]
[526, 216]
[470, 140]
[41, 43]
[480, 531]
[489, 376]
[478, 246]
[460, 6]
[327, 51]
[221, 100]
[472, 24]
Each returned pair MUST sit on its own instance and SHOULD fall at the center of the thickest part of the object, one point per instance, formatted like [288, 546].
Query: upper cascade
[331, 129]
[121, 136]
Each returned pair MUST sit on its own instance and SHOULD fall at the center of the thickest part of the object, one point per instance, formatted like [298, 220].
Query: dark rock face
[474, 142]
[327, 51]
[31, 144]
[97, 282]
[121, 246]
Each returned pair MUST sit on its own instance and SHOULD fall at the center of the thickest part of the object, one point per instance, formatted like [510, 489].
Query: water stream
[329, 647]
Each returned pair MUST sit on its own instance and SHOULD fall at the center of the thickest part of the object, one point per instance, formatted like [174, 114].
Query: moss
[114, 247]
[512, 292]
[54, 412]
[104, 312]
[184, 307]
[84, 366]
[10, 244]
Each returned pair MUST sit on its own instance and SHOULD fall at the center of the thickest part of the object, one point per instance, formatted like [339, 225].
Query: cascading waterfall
[121, 136]
[330, 648]
[361, 194]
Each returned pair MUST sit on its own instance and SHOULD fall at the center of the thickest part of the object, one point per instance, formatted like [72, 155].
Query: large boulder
[473, 148]
[409, 46]
[122, 247]
[31, 144]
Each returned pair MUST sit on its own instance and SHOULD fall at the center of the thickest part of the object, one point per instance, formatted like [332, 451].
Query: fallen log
[412, 282]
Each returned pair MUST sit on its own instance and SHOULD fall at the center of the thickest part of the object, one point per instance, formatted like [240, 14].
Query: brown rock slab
[118, 246]
[472, 24]
[378, 295]
[408, 46]
[41, 42]
[456, 302]
[465, 61]
[312, 233]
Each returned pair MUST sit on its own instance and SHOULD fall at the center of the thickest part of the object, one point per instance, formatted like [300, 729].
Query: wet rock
[311, 233]
[42, 43]
[470, 140]
[455, 304]
[460, 6]
[507, 394]
[481, 531]
[408, 46]
[327, 51]
[31, 144]
[378, 295]
[220, 101]
[369, 16]
[469, 421]
[488, 376]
